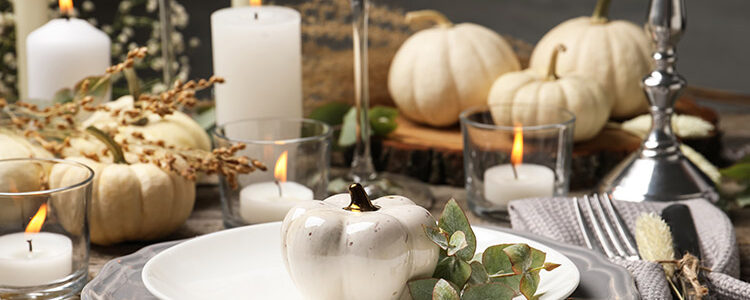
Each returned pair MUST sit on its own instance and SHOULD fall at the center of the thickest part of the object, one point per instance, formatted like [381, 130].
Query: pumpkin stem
[552, 68]
[428, 15]
[360, 201]
[601, 11]
[108, 141]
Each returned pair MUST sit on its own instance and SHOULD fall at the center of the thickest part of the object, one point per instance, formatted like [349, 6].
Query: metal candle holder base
[659, 171]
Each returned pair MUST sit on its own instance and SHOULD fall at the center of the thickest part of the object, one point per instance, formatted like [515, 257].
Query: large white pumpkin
[440, 71]
[617, 54]
[531, 89]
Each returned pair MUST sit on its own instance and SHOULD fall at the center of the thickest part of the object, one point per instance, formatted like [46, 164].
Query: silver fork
[614, 238]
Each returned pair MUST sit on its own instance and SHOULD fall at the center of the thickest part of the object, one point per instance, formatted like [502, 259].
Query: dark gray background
[713, 53]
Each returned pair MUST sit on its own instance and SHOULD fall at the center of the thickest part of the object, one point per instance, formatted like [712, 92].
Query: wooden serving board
[435, 155]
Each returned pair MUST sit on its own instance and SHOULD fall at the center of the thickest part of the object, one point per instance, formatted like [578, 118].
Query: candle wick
[515, 172]
[256, 15]
[31, 248]
[278, 184]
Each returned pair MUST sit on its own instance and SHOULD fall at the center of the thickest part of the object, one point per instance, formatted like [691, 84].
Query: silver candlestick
[659, 171]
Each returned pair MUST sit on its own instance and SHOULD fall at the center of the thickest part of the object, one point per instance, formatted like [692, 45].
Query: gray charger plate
[120, 278]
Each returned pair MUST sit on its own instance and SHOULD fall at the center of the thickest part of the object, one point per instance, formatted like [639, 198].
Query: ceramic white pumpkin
[133, 202]
[617, 54]
[440, 71]
[347, 247]
[582, 96]
[177, 129]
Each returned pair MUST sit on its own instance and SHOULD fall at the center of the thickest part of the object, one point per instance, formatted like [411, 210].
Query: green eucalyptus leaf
[739, 171]
[99, 87]
[512, 281]
[528, 284]
[457, 242]
[452, 220]
[520, 257]
[488, 291]
[438, 237]
[444, 291]
[537, 258]
[548, 266]
[495, 261]
[453, 269]
[478, 274]
[422, 289]
[331, 113]
[64, 95]
[207, 118]
[383, 120]
[348, 134]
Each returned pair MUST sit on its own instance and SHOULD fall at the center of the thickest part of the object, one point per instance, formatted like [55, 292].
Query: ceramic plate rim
[147, 268]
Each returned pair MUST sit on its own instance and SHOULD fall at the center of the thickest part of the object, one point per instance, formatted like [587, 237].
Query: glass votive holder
[44, 230]
[297, 154]
[514, 152]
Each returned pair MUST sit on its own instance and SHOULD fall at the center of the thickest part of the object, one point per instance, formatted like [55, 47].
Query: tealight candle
[257, 50]
[34, 258]
[270, 201]
[63, 52]
[516, 180]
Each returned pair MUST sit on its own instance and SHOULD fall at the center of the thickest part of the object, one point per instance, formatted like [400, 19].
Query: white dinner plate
[246, 263]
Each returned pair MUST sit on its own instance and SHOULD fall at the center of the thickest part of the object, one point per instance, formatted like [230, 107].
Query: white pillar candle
[261, 202]
[260, 59]
[501, 186]
[51, 258]
[63, 52]
[28, 15]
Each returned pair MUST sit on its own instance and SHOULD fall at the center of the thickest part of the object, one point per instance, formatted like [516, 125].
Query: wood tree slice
[435, 155]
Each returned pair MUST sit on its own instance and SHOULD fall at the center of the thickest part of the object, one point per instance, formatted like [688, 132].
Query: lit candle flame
[35, 225]
[256, 2]
[66, 6]
[516, 155]
[279, 171]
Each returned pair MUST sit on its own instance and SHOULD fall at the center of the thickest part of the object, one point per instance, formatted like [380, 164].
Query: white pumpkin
[133, 202]
[439, 72]
[617, 54]
[368, 250]
[177, 129]
[583, 97]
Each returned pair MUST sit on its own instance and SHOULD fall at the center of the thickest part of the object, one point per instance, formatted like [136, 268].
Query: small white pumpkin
[617, 54]
[367, 250]
[130, 202]
[582, 96]
[439, 72]
[20, 177]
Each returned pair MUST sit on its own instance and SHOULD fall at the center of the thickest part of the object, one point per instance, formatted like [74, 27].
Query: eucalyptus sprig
[501, 272]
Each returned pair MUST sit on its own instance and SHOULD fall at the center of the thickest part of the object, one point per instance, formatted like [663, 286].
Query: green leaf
[422, 289]
[383, 120]
[743, 200]
[444, 291]
[64, 95]
[453, 269]
[488, 291]
[478, 274]
[207, 118]
[520, 257]
[452, 220]
[99, 87]
[457, 242]
[331, 113]
[550, 266]
[438, 237]
[528, 284]
[739, 171]
[495, 260]
[348, 129]
[537, 258]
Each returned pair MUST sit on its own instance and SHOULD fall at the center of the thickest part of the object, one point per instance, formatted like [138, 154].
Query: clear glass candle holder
[44, 230]
[297, 155]
[515, 152]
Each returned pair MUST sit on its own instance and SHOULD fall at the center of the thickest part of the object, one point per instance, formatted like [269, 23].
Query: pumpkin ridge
[628, 104]
[575, 59]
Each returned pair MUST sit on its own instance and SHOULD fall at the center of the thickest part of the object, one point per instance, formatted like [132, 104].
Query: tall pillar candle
[28, 15]
[63, 52]
[257, 50]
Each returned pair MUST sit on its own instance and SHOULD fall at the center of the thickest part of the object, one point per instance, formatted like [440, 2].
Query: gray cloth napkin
[555, 218]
